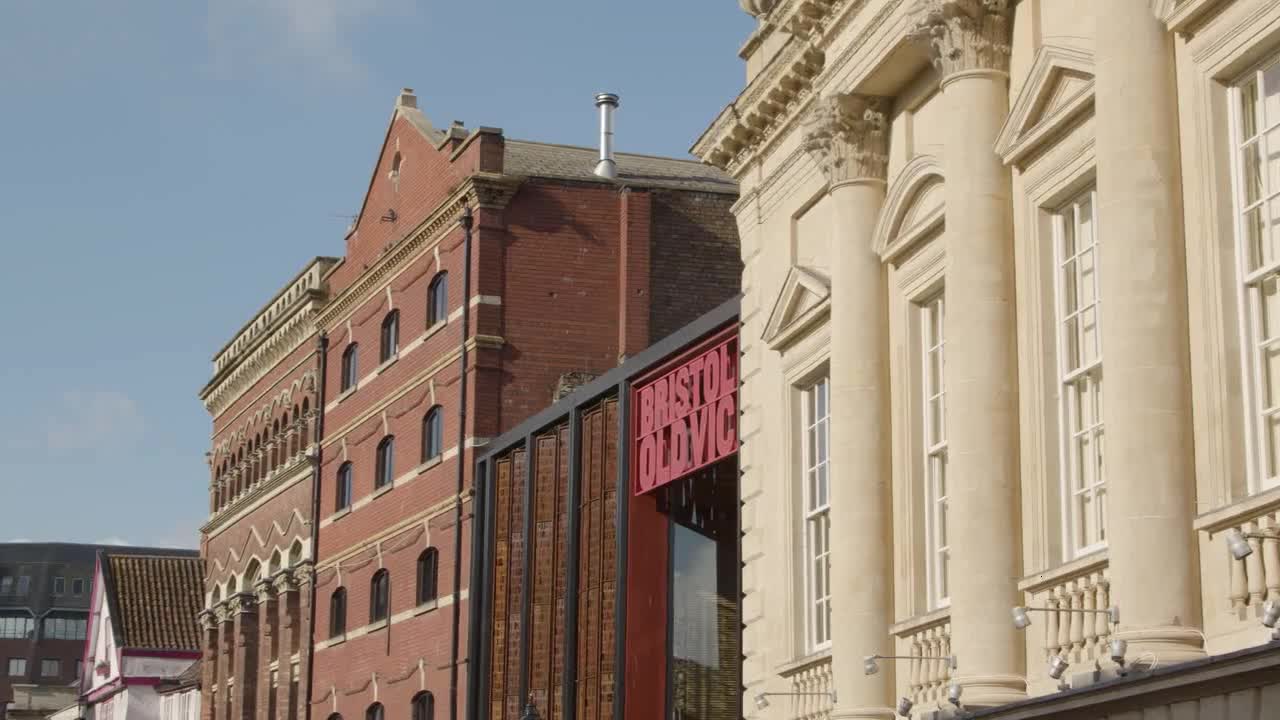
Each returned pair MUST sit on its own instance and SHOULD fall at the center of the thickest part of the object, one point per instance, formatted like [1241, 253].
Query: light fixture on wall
[1118, 648]
[1057, 666]
[1238, 542]
[904, 707]
[1271, 614]
[871, 666]
[762, 699]
[1022, 620]
[953, 694]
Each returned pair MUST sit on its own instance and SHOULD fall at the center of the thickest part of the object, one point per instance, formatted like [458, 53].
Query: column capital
[847, 135]
[265, 590]
[241, 603]
[963, 35]
[304, 573]
[284, 582]
[208, 618]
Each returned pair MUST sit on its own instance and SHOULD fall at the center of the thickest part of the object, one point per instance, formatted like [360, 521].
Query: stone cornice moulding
[785, 325]
[485, 190]
[1181, 15]
[889, 239]
[253, 367]
[1029, 122]
[279, 481]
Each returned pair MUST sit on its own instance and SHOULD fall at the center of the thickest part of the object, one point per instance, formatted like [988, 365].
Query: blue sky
[166, 166]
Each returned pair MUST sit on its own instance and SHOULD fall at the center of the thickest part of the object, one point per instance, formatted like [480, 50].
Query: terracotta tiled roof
[154, 599]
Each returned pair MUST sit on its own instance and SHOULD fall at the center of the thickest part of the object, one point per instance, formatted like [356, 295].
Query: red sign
[686, 417]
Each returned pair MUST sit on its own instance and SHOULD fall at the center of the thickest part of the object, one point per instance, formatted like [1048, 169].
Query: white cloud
[95, 420]
[310, 34]
[113, 540]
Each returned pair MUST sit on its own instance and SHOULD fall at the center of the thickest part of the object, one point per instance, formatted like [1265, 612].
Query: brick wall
[696, 261]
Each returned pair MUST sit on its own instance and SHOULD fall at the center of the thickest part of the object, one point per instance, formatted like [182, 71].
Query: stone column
[304, 573]
[245, 612]
[847, 137]
[287, 639]
[226, 659]
[969, 43]
[266, 646]
[1146, 390]
[208, 663]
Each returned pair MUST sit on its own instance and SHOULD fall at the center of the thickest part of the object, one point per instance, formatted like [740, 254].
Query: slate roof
[154, 599]
[190, 678]
[568, 162]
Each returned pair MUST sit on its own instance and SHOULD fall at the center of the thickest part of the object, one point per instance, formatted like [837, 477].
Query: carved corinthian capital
[963, 34]
[847, 135]
[756, 8]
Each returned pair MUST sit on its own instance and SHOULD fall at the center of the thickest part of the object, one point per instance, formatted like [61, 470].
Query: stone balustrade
[1080, 638]
[815, 681]
[1256, 578]
[925, 681]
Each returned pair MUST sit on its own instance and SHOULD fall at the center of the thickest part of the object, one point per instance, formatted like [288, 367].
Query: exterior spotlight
[904, 707]
[1057, 666]
[869, 665]
[953, 694]
[1270, 613]
[762, 701]
[1118, 649]
[1020, 618]
[1238, 545]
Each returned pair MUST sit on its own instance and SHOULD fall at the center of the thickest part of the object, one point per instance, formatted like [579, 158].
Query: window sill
[427, 607]
[340, 514]
[434, 329]
[379, 492]
[347, 393]
[387, 363]
[1066, 571]
[336, 640]
[429, 464]
[799, 664]
[1242, 510]
[911, 626]
[376, 625]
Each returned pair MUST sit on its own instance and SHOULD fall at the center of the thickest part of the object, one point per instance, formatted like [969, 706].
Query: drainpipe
[462, 465]
[322, 350]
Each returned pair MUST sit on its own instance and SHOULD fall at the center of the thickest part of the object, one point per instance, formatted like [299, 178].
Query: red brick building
[257, 543]
[569, 273]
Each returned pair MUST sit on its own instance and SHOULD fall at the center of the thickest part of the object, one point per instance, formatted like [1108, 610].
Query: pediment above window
[804, 300]
[1058, 90]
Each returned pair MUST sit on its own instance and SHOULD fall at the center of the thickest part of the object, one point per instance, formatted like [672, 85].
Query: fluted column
[245, 616]
[969, 44]
[267, 618]
[1146, 387]
[305, 575]
[847, 137]
[208, 662]
[287, 640]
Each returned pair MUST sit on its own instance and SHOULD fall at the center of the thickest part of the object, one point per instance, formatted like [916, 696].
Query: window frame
[433, 433]
[423, 706]
[1072, 485]
[343, 484]
[59, 586]
[934, 451]
[428, 560]
[44, 664]
[22, 665]
[379, 596]
[438, 299]
[350, 367]
[375, 712]
[338, 613]
[1252, 382]
[816, 515]
[389, 337]
[384, 463]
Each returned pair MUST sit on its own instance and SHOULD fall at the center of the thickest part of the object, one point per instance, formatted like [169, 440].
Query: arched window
[350, 366]
[374, 712]
[338, 612]
[424, 706]
[438, 299]
[432, 433]
[343, 487]
[390, 336]
[334, 716]
[379, 596]
[386, 462]
[428, 566]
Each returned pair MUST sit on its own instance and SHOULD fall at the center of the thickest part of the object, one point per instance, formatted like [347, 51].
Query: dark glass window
[428, 567]
[379, 596]
[390, 336]
[438, 299]
[350, 366]
[432, 433]
[374, 712]
[386, 462]
[424, 706]
[344, 486]
[338, 612]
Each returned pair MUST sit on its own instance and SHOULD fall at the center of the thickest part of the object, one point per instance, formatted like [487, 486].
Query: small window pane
[1248, 110]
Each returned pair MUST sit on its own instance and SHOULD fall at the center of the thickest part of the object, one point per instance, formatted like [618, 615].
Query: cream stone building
[1011, 336]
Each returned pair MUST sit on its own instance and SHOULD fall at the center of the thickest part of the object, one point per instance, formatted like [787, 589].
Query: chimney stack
[607, 167]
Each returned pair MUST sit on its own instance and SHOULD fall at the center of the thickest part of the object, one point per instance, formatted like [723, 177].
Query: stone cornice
[847, 135]
[266, 489]
[486, 190]
[222, 391]
[963, 35]
[781, 93]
